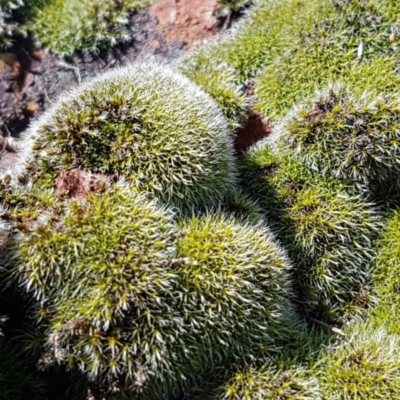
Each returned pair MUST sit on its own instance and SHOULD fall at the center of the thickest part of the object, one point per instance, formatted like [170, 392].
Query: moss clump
[364, 366]
[139, 304]
[327, 231]
[355, 139]
[261, 37]
[351, 43]
[134, 231]
[219, 81]
[143, 122]
[237, 274]
[102, 271]
[68, 26]
[267, 382]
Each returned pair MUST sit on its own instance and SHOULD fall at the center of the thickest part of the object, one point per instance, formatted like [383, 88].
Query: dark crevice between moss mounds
[252, 129]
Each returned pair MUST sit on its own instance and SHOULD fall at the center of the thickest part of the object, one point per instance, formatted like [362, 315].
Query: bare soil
[31, 78]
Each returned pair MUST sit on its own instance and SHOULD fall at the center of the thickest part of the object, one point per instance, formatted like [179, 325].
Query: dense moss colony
[354, 139]
[127, 295]
[68, 26]
[194, 272]
[326, 230]
[143, 122]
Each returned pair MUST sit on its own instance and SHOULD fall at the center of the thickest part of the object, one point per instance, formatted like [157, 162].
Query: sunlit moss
[68, 26]
[364, 365]
[356, 139]
[132, 299]
[327, 230]
[351, 44]
[219, 81]
[143, 122]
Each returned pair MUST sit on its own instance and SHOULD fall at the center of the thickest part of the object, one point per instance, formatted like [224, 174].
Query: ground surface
[31, 78]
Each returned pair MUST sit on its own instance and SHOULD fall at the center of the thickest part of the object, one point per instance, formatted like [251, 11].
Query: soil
[31, 78]
[187, 22]
[254, 128]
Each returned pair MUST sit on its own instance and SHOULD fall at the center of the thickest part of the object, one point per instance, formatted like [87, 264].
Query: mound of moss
[143, 122]
[65, 27]
[138, 303]
[349, 138]
[365, 365]
[327, 230]
[259, 38]
[350, 42]
[267, 382]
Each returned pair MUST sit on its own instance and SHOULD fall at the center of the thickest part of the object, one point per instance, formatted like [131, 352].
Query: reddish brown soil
[31, 79]
[187, 21]
[254, 129]
[77, 183]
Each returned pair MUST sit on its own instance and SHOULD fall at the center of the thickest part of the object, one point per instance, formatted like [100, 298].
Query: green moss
[131, 299]
[267, 382]
[328, 232]
[236, 266]
[365, 365]
[387, 277]
[143, 122]
[388, 259]
[261, 37]
[351, 138]
[219, 81]
[351, 44]
[99, 268]
[68, 26]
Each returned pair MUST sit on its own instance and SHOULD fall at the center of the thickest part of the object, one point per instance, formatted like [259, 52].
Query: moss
[351, 138]
[328, 231]
[143, 122]
[132, 299]
[260, 38]
[236, 266]
[267, 382]
[219, 81]
[386, 275]
[388, 259]
[68, 26]
[351, 44]
[365, 365]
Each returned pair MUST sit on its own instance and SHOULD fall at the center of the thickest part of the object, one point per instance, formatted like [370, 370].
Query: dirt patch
[187, 21]
[31, 79]
[78, 183]
[254, 129]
